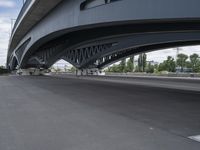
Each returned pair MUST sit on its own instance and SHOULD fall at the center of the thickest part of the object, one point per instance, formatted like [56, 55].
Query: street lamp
[12, 25]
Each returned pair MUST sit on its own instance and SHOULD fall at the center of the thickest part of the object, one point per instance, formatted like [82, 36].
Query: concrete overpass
[95, 33]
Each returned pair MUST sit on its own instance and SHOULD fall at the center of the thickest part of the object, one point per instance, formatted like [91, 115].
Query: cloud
[5, 25]
[7, 3]
[4, 38]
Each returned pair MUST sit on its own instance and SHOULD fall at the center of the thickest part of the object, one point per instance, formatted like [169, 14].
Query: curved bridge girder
[46, 53]
[79, 37]
[101, 52]
[13, 63]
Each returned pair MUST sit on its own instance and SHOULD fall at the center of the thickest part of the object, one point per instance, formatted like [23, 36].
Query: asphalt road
[55, 113]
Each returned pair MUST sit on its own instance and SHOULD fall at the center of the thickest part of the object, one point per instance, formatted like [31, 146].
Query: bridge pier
[31, 71]
[89, 72]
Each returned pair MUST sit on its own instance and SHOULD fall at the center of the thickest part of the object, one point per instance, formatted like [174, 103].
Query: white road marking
[195, 138]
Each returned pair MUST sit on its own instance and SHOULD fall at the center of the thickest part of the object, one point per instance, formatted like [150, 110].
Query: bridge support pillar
[31, 71]
[89, 72]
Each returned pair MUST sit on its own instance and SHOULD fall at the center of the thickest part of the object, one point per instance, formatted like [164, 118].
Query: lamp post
[12, 25]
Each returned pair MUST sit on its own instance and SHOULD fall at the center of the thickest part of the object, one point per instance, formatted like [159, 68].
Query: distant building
[151, 62]
[185, 70]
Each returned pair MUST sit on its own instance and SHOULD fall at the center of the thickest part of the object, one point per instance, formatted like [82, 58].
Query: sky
[9, 9]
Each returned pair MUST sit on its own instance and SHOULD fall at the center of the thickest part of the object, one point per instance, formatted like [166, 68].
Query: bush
[3, 70]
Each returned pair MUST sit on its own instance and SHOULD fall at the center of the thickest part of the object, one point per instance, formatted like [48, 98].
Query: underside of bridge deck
[88, 34]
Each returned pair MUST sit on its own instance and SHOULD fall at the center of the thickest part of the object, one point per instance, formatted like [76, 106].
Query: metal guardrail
[23, 10]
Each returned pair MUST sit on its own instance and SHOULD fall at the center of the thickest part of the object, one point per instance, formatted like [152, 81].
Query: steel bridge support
[99, 53]
[31, 71]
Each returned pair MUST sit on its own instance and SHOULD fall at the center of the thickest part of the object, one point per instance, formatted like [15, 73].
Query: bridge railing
[23, 10]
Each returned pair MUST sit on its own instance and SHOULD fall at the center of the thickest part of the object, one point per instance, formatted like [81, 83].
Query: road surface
[67, 113]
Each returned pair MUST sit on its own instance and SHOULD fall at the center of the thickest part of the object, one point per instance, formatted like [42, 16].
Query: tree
[156, 68]
[168, 65]
[65, 68]
[3, 70]
[130, 67]
[181, 61]
[195, 62]
[122, 65]
[188, 64]
[142, 62]
[161, 67]
[114, 68]
[150, 68]
[137, 69]
[72, 69]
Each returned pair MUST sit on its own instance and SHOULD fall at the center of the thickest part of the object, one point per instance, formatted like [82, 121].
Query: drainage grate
[195, 138]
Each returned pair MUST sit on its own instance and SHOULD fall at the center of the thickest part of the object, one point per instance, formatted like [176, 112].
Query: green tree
[195, 62]
[156, 68]
[137, 69]
[130, 67]
[161, 67]
[150, 68]
[3, 70]
[142, 62]
[114, 68]
[72, 69]
[181, 61]
[188, 64]
[168, 65]
[122, 65]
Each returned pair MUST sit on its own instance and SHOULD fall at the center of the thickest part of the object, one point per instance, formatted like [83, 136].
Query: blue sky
[10, 6]
[9, 9]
